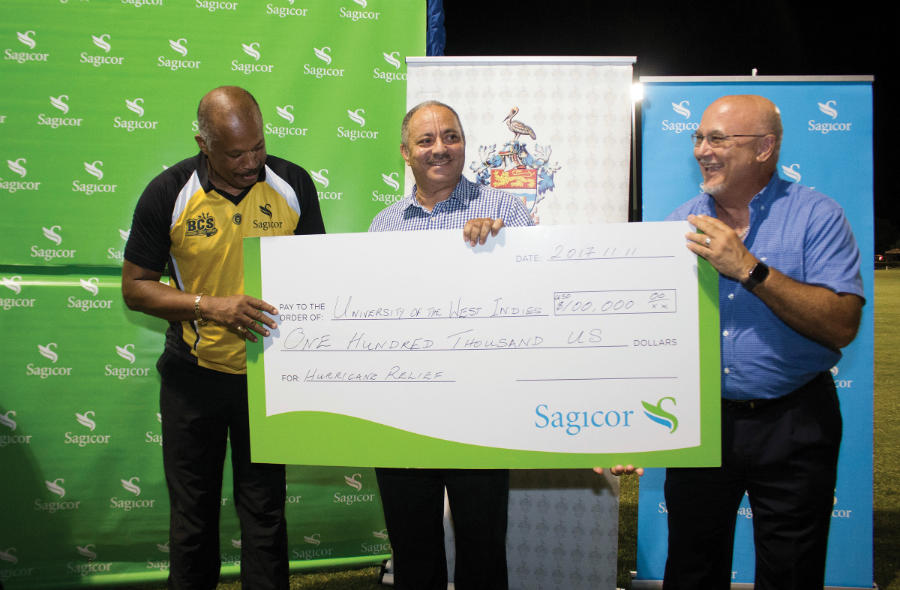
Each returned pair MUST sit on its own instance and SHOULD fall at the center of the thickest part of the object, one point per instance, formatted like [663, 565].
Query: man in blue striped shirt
[782, 328]
[433, 146]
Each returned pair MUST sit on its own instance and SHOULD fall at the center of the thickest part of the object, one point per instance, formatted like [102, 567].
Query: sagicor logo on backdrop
[792, 172]
[131, 486]
[12, 283]
[314, 539]
[285, 112]
[178, 46]
[87, 551]
[320, 177]
[163, 548]
[126, 352]
[25, 38]
[50, 234]
[323, 54]
[135, 106]
[353, 481]
[59, 103]
[390, 180]
[93, 168]
[17, 167]
[124, 233]
[102, 42]
[392, 58]
[7, 421]
[828, 108]
[356, 117]
[661, 416]
[55, 488]
[682, 108]
[47, 351]
[86, 420]
[7, 555]
[251, 49]
[236, 543]
[92, 285]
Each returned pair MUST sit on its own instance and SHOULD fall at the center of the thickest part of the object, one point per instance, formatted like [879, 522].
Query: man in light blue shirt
[790, 297]
[433, 146]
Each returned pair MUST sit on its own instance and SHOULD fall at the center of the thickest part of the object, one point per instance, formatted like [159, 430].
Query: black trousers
[200, 410]
[783, 454]
[413, 501]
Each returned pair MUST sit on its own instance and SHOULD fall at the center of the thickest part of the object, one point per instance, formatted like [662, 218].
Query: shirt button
[725, 333]
[731, 295]
[726, 370]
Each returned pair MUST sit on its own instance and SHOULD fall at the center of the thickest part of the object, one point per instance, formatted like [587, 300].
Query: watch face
[757, 275]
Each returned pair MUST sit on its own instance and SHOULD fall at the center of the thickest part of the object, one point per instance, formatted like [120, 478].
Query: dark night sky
[703, 39]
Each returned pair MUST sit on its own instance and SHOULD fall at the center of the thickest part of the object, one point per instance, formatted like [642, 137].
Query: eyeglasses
[717, 140]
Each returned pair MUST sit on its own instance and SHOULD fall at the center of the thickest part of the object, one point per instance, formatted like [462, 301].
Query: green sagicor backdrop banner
[98, 97]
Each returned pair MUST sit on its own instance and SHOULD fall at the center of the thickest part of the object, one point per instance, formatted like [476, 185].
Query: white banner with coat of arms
[555, 131]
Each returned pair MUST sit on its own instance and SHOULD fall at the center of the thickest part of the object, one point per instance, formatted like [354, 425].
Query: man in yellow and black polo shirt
[193, 217]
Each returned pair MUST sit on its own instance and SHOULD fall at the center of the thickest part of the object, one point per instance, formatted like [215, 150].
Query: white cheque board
[550, 346]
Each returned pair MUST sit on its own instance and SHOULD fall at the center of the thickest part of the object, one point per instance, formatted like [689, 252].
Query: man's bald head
[759, 114]
[226, 106]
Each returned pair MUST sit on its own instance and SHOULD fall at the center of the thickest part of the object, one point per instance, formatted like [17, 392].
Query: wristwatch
[198, 317]
[757, 274]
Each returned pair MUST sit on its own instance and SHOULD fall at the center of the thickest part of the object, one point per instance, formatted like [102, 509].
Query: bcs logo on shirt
[202, 225]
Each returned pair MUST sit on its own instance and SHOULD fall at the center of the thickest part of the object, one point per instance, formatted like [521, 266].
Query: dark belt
[815, 384]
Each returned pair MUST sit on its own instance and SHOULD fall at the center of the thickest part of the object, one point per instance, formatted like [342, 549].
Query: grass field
[886, 476]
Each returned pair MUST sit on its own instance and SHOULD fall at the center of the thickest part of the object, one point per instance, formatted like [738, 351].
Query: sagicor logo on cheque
[682, 108]
[50, 234]
[102, 42]
[320, 177]
[353, 481]
[390, 180]
[131, 486]
[828, 108]
[7, 555]
[17, 167]
[323, 54]
[93, 168]
[659, 415]
[178, 46]
[55, 487]
[356, 117]
[91, 285]
[59, 103]
[87, 551]
[135, 106]
[285, 112]
[126, 352]
[792, 172]
[25, 38]
[7, 421]
[251, 49]
[12, 283]
[393, 58]
[47, 351]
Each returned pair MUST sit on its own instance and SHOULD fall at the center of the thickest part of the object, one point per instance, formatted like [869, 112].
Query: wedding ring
[708, 240]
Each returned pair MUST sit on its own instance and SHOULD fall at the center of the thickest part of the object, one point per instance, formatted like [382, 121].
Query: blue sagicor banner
[828, 146]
